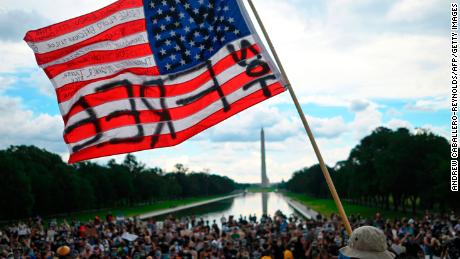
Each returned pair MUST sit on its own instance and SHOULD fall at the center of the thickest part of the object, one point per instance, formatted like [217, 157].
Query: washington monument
[265, 181]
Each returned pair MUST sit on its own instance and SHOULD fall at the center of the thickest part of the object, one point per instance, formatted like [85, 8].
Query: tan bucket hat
[367, 243]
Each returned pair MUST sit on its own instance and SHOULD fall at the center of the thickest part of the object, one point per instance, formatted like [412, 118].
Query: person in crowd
[367, 242]
[252, 236]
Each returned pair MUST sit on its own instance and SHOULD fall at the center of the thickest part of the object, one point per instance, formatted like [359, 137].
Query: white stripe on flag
[131, 40]
[89, 31]
[101, 70]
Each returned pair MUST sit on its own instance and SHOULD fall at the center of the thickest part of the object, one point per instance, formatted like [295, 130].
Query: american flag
[142, 74]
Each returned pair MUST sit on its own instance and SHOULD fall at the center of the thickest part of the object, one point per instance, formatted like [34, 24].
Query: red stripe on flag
[147, 116]
[107, 149]
[113, 34]
[74, 24]
[100, 57]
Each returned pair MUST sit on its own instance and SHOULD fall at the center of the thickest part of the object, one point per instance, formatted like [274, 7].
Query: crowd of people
[275, 236]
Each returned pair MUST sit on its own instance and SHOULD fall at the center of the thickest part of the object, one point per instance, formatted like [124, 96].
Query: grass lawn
[327, 206]
[135, 211]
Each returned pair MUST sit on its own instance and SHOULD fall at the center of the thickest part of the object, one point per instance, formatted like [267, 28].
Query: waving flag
[137, 75]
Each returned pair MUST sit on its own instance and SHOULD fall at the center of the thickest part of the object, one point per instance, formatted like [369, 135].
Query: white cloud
[14, 23]
[278, 125]
[328, 56]
[38, 79]
[20, 126]
[325, 100]
[365, 122]
[398, 123]
[55, 11]
[413, 10]
[15, 55]
[241, 127]
[442, 131]
[328, 127]
[359, 105]
[354, 105]
[430, 104]
[168, 162]
[6, 82]
[439, 130]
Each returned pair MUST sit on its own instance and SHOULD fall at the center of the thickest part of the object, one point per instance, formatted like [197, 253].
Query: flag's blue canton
[184, 33]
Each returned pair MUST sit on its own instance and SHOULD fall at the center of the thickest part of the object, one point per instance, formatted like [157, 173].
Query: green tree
[37, 182]
[17, 199]
[389, 167]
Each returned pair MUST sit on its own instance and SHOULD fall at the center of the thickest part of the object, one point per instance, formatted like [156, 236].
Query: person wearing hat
[63, 251]
[367, 243]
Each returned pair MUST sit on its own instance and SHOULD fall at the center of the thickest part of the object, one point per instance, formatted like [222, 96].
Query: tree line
[390, 169]
[37, 182]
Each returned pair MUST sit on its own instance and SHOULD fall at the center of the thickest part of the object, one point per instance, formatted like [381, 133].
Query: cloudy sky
[355, 65]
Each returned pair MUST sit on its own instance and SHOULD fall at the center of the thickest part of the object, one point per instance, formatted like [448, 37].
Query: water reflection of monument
[265, 182]
[265, 203]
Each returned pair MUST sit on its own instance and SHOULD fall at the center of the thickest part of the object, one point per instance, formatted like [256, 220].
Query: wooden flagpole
[326, 174]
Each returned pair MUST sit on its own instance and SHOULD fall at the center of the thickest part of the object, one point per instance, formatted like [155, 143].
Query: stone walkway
[301, 208]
